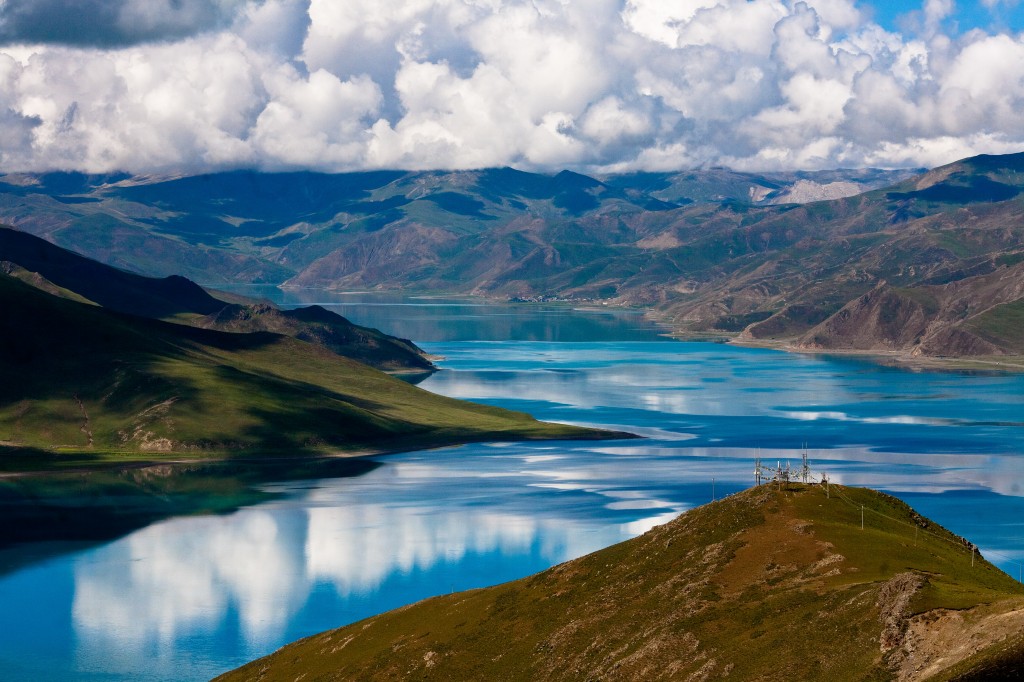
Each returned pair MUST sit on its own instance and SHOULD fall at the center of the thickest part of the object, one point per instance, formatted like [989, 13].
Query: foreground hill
[173, 298]
[100, 385]
[929, 265]
[767, 584]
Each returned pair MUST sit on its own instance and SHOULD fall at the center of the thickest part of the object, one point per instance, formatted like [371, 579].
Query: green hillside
[83, 384]
[322, 327]
[69, 275]
[767, 584]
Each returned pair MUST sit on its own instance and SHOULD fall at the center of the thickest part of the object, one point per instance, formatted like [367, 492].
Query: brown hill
[768, 584]
[973, 316]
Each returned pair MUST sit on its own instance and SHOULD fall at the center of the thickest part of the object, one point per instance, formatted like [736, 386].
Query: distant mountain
[767, 584]
[84, 385]
[933, 266]
[707, 251]
[716, 185]
[177, 299]
[270, 227]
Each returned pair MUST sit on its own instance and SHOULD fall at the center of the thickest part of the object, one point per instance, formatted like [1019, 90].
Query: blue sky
[169, 86]
[966, 15]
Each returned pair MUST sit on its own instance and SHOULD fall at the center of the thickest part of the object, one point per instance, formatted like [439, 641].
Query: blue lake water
[188, 598]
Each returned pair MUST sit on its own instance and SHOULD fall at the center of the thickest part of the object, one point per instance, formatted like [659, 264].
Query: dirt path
[85, 425]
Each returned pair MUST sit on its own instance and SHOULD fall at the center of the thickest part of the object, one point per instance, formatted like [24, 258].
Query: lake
[189, 597]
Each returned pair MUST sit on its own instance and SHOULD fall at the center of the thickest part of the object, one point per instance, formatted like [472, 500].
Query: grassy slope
[102, 284]
[766, 584]
[97, 386]
[176, 299]
[324, 328]
[1002, 325]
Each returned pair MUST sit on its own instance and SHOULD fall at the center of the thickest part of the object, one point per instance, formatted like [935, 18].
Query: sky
[602, 86]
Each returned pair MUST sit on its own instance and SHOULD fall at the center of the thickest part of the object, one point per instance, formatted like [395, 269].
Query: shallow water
[190, 597]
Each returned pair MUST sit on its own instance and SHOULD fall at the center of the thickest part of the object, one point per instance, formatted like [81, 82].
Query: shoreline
[889, 358]
[894, 358]
[135, 461]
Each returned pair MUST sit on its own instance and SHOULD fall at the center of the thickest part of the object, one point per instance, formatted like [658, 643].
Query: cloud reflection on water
[259, 566]
[356, 554]
[177, 575]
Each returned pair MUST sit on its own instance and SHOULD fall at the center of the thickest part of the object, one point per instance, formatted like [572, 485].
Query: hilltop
[769, 584]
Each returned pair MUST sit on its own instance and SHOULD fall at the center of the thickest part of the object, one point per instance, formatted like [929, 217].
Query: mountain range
[923, 264]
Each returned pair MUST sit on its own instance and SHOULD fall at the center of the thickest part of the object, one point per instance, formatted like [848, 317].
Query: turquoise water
[188, 598]
[425, 318]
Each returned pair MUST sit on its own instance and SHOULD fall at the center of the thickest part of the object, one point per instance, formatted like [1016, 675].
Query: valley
[511, 340]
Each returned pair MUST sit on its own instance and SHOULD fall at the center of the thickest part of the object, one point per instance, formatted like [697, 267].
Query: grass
[1002, 325]
[768, 584]
[923, 297]
[89, 387]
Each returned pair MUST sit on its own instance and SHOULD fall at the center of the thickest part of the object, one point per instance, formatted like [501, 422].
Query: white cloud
[316, 121]
[609, 120]
[935, 11]
[471, 83]
[660, 21]
[275, 25]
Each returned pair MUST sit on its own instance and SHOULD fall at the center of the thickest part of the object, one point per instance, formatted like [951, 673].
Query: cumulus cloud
[169, 85]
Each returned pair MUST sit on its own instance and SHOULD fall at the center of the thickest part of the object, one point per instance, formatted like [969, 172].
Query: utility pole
[862, 517]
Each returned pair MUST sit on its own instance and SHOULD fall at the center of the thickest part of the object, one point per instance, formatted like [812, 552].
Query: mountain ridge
[177, 299]
[704, 251]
